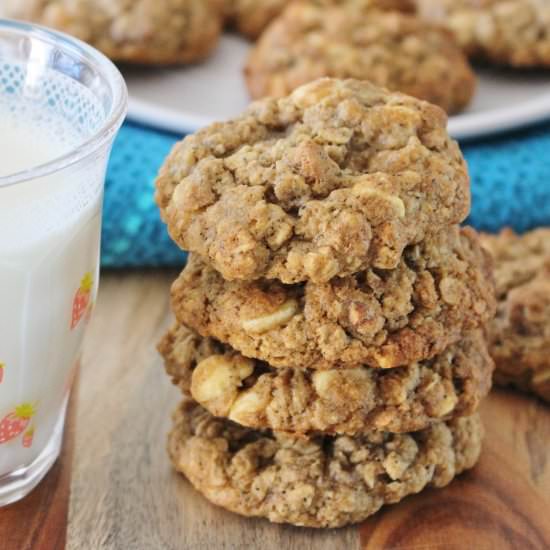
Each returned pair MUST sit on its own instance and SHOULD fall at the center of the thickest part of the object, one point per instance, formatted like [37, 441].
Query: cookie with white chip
[441, 288]
[341, 401]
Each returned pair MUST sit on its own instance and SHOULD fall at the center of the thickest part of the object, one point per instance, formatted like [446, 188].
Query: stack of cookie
[328, 319]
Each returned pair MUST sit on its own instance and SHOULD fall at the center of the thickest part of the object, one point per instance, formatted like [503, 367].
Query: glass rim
[114, 117]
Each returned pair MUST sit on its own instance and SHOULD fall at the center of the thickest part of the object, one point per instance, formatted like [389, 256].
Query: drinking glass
[61, 105]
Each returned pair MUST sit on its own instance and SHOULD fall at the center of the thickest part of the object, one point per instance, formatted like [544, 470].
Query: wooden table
[124, 496]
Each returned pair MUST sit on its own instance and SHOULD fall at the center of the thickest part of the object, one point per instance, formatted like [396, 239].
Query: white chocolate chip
[249, 402]
[273, 320]
[216, 381]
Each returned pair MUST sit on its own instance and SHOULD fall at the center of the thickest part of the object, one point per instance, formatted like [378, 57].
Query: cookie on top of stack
[329, 321]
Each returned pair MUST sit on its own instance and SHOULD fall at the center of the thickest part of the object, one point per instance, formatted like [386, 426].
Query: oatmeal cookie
[335, 178]
[136, 31]
[320, 482]
[519, 337]
[251, 17]
[510, 32]
[382, 318]
[343, 401]
[397, 51]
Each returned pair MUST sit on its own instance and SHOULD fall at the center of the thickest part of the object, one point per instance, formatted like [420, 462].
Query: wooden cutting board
[124, 496]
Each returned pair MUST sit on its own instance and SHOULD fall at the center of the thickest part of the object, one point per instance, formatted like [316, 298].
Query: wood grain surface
[124, 495]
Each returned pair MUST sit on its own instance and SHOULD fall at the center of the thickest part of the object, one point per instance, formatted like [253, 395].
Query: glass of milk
[61, 104]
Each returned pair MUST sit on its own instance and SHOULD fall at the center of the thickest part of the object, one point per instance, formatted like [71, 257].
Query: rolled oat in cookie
[519, 337]
[338, 177]
[343, 401]
[441, 287]
[394, 50]
[134, 31]
[509, 32]
[319, 482]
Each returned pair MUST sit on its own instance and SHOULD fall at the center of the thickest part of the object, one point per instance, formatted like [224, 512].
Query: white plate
[185, 99]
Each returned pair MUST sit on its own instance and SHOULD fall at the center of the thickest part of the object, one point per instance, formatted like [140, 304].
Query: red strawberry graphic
[82, 299]
[2, 367]
[16, 422]
[28, 437]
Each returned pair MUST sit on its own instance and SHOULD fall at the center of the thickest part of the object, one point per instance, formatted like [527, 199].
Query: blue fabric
[133, 233]
[510, 186]
[510, 180]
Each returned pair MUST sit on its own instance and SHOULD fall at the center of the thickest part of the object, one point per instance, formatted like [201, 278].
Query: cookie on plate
[337, 177]
[251, 17]
[519, 337]
[511, 32]
[320, 482]
[394, 50]
[134, 31]
[342, 401]
[441, 287]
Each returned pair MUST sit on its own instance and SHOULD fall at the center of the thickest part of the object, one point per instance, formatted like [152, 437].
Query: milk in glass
[49, 247]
